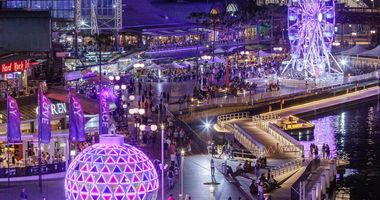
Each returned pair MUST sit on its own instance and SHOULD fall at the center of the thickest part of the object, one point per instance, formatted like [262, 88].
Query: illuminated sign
[15, 66]
[57, 109]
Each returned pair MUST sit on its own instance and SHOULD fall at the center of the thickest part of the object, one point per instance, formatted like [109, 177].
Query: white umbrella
[219, 50]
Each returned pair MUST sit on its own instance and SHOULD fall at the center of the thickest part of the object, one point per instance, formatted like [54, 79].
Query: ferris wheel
[311, 26]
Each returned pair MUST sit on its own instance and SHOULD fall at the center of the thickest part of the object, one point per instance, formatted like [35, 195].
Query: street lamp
[244, 53]
[162, 163]
[182, 166]
[138, 65]
[206, 58]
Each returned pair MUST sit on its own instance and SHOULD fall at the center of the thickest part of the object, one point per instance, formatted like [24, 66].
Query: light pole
[206, 58]
[182, 164]
[135, 112]
[162, 163]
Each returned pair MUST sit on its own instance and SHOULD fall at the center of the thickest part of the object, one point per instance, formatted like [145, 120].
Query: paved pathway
[196, 173]
[329, 102]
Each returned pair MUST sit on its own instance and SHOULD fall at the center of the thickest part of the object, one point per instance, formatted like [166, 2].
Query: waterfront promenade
[257, 135]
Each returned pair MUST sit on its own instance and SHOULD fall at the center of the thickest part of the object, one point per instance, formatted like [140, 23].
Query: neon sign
[15, 66]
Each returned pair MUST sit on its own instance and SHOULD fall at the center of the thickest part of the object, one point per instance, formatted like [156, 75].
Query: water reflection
[354, 131]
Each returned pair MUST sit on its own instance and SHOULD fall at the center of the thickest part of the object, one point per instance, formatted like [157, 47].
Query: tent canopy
[375, 52]
[216, 59]
[354, 51]
[264, 54]
[219, 50]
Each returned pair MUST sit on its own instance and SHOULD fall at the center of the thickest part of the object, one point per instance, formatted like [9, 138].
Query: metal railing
[248, 141]
[286, 167]
[284, 138]
[264, 116]
[223, 118]
[263, 122]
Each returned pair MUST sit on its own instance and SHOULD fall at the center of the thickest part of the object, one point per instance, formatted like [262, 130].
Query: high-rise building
[60, 9]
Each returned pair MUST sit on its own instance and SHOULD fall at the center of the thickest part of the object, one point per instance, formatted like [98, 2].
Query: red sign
[15, 66]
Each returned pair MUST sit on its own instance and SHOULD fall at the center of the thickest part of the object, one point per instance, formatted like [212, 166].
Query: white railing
[265, 116]
[248, 141]
[284, 138]
[232, 116]
[263, 122]
[286, 167]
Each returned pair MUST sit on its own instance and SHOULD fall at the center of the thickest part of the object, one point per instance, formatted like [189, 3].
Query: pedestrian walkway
[329, 102]
[270, 143]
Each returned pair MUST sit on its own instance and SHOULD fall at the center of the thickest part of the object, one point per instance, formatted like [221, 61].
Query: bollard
[327, 174]
[319, 190]
[314, 194]
[323, 184]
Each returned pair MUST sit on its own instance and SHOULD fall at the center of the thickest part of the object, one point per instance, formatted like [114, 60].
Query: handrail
[286, 167]
[284, 137]
[248, 141]
[231, 116]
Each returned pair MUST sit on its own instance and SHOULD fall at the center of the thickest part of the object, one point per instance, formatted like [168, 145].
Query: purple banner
[44, 117]
[104, 118]
[77, 132]
[13, 126]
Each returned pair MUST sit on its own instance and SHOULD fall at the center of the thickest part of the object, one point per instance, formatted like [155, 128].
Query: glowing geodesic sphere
[111, 170]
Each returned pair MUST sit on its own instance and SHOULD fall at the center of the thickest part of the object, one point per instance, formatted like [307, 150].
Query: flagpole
[39, 140]
[8, 153]
[9, 173]
[39, 165]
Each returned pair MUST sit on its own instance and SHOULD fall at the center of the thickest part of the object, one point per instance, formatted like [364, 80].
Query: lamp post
[162, 163]
[137, 112]
[206, 58]
[182, 164]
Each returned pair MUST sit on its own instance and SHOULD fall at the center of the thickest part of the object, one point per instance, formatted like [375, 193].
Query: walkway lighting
[141, 111]
[153, 127]
[138, 65]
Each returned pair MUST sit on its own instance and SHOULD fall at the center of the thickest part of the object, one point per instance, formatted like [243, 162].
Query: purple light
[111, 170]
[323, 134]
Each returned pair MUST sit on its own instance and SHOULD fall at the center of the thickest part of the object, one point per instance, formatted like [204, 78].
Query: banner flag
[77, 129]
[44, 117]
[13, 120]
[104, 118]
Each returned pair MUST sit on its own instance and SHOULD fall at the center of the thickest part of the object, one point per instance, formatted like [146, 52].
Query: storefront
[14, 75]
[24, 155]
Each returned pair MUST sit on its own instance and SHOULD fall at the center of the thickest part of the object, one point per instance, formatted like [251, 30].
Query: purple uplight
[324, 132]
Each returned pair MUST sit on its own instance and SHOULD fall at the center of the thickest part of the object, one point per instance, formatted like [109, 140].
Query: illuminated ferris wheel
[311, 33]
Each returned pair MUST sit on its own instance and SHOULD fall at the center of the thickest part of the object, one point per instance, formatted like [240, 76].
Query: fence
[284, 138]
[248, 141]
[222, 118]
[286, 167]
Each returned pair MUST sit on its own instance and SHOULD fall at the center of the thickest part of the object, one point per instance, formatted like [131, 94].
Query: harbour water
[355, 132]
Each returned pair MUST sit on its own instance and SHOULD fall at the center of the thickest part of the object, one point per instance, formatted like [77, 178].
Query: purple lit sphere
[111, 170]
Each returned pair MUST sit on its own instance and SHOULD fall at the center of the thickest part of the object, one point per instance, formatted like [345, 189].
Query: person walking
[261, 190]
[23, 194]
[171, 197]
[212, 166]
[171, 177]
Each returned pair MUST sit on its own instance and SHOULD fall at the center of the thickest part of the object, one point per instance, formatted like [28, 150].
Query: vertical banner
[104, 118]
[77, 132]
[13, 120]
[44, 117]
